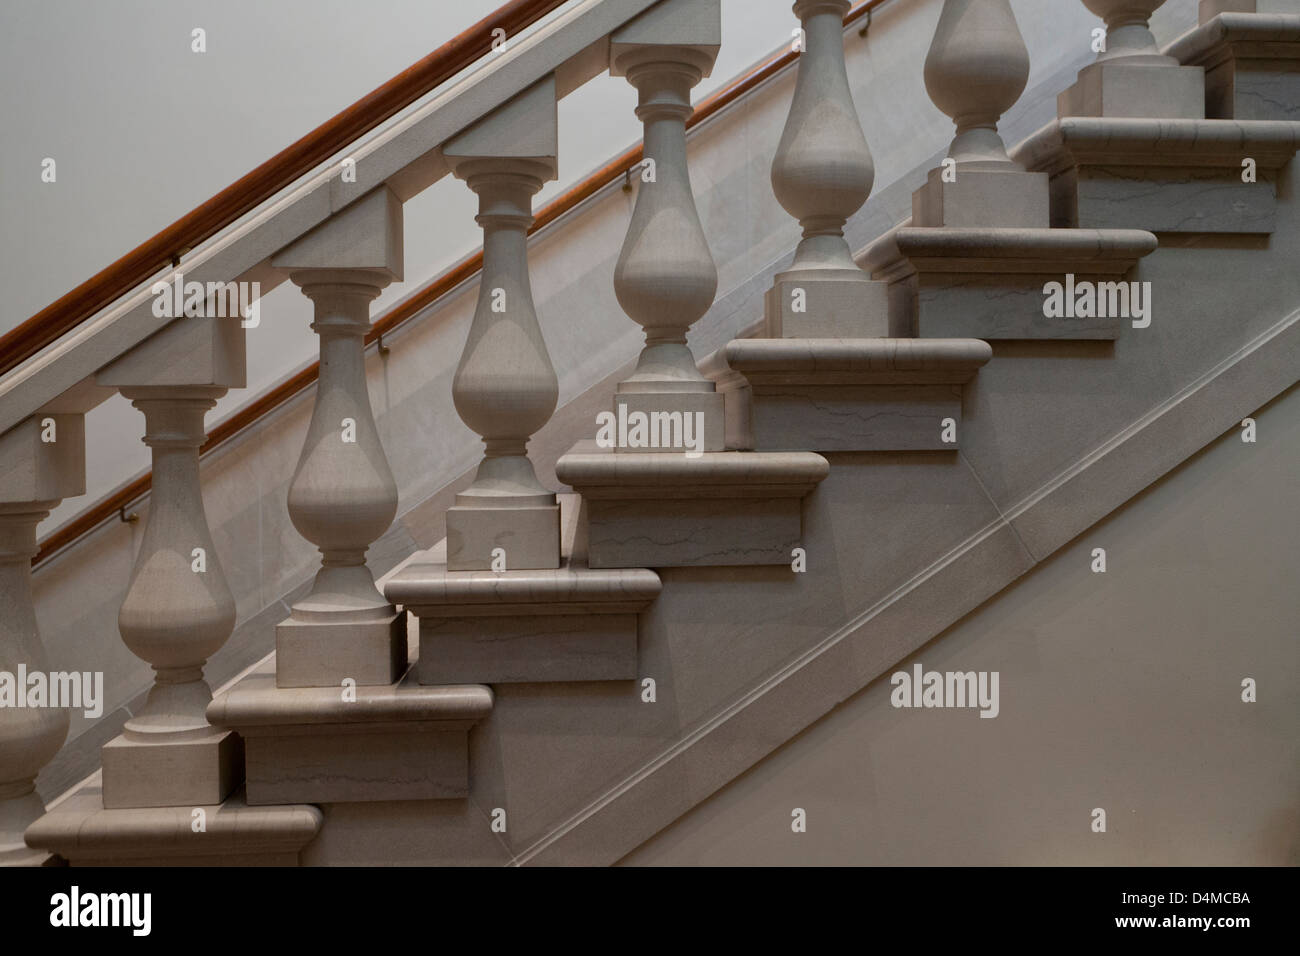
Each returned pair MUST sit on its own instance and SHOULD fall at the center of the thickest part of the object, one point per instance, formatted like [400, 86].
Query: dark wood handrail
[253, 189]
[425, 296]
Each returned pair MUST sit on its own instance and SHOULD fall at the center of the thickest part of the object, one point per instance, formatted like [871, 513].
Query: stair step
[351, 744]
[851, 394]
[1162, 175]
[231, 833]
[1251, 61]
[989, 283]
[571, 623]
[668, 509]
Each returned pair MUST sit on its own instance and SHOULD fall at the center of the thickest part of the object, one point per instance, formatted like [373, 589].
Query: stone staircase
[907, 430]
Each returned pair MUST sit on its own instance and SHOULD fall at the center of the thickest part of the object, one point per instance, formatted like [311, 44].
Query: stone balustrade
[837, 343]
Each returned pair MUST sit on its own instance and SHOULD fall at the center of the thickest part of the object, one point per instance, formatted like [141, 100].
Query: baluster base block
[530, 537]
[827, 303]
[665, 415]
[982, 198]
[1140, 90]
[317, 654]
[187, 773]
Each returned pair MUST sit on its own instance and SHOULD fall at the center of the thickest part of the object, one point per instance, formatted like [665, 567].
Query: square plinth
[519, 537]
[1148, 91]
[659, 422]
[314, 654]
[984, 198]
[187, 773]
[827, 303]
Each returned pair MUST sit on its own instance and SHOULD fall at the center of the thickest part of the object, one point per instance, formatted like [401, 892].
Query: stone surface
[992, 283]
[1251, 62]
[821, 174]
[505, 387]
[524, 128]
[751, 236]
[40, 461]
[367, 234]
[832, 304]
[721, 508]
[855, 394]
[343, 496]
[1130, 76]
[339, 744]
[1162, 175]
[666, 278]
[33, 469]
[529, 537]
[983, 198]
[322, 653]
[1118, 89]
[178, 611]
[85, 833]
[568, 624]
[195, 773]
[975, 70]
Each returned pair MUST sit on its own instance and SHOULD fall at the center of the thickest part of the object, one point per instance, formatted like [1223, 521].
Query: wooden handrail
[253, 189]
[426, 295]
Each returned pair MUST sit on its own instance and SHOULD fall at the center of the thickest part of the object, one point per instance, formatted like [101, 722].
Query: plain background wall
[1118, 690]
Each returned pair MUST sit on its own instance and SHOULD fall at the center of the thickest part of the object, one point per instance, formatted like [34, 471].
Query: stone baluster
[975, 71]
[41, 461]
[505, 387]
[665, 279]
[1131, 77]
[178, 610]
[822, 174]
[343, 496]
